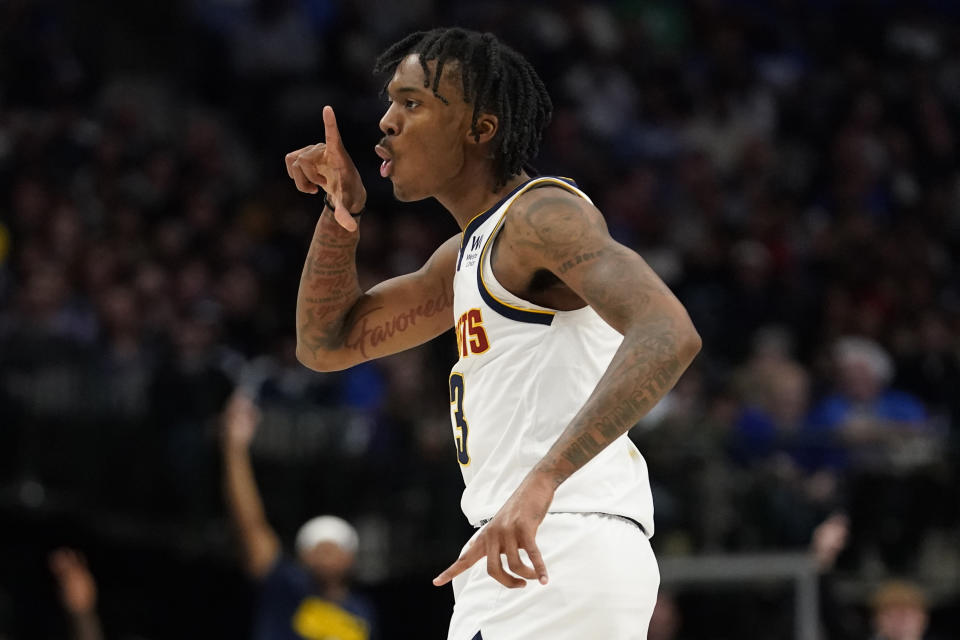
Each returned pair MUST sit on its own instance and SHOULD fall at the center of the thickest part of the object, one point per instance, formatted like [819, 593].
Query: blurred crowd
[791, 169]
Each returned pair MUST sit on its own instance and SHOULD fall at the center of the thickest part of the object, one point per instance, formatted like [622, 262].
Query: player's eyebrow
[393, 91]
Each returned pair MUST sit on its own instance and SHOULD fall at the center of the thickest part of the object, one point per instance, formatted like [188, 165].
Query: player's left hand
[513, 528]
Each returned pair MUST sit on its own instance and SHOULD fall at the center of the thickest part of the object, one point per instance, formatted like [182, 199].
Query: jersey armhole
[534, 314]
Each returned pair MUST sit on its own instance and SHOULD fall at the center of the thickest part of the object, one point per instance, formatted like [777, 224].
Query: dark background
[789, 168]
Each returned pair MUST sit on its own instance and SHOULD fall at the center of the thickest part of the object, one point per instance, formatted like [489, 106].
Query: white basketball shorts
[603, 585]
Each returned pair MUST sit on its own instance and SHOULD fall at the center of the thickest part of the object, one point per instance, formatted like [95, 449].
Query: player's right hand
[514, 527]
[328, 166]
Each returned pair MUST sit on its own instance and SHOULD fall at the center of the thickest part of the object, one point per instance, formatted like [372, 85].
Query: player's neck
[472, 197]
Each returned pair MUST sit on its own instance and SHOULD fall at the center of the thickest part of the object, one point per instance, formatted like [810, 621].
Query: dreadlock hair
[496, 79]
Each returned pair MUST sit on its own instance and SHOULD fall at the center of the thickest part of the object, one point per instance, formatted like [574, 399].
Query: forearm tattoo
[656, 348]
[328, 287]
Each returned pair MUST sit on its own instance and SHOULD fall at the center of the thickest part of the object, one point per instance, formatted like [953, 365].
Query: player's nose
[389, 123]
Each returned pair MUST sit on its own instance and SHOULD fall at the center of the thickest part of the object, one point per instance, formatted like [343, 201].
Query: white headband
[327, 529]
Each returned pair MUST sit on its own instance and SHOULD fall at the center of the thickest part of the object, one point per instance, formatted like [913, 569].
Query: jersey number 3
[463, 430]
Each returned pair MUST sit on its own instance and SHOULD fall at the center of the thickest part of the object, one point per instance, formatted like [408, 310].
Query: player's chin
[407, 193]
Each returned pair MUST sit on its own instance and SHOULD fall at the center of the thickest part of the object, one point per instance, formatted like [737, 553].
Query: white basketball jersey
[524, 372]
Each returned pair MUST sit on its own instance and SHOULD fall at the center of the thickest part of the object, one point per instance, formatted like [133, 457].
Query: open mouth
[387, 163]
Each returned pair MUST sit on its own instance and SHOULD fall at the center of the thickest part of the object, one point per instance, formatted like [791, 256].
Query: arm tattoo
[554, 226]
[328, 287]
[365, 335]
[644, 369]
[580, 259]
[566, 235]
[653, 355]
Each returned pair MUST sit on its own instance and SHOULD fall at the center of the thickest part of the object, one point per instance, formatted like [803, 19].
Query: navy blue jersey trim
[477, 637]
[505, 309]
[512, 313]
[509, 311]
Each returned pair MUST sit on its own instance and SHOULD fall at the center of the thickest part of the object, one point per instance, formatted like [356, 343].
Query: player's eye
[411, 104]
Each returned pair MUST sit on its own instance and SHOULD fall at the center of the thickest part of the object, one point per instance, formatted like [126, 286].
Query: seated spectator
[771, 425]
[863, 415]
[786, 491]
[309, 597]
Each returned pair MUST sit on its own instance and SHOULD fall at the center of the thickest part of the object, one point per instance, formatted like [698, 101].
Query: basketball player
[566, 338]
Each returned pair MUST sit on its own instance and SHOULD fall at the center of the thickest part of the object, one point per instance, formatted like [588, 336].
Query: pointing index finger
[463, 563]
[331, 133]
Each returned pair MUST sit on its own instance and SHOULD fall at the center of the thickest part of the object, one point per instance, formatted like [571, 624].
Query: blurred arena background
[789, 167]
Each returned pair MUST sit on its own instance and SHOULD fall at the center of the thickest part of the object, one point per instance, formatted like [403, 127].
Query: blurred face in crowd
[789, 395]
[900, 622]
[45, 291]
[118, 307]
[328, 562]
[428, 144]
[858, 380]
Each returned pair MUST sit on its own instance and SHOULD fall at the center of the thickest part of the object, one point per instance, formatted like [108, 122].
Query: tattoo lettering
[336, 282]
[583, 449]
[366, 335]
[580, 259]
[328, 288]
[645, 368]
[327, 255]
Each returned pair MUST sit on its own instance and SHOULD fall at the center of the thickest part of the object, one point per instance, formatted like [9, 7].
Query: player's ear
[486, 128]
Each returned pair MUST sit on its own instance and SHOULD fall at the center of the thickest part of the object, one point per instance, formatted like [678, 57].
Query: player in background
[307, 598]
[566, 339]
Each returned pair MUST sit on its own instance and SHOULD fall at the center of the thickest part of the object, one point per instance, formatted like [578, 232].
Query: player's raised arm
[338, 325]
[260, 545]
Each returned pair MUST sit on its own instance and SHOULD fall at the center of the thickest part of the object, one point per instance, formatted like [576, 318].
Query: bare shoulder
[449, 249]
[444, 258]
[552, 224]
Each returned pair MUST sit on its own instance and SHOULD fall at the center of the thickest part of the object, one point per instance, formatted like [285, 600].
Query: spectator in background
[788, 493]
[869, 430]
[78, 593]
[193, 373]
[773, 416]
[863, 415]
[900, 612]
[928, 360]
[308, 598]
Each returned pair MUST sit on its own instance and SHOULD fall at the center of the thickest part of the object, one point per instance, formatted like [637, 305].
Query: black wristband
[329, 205]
